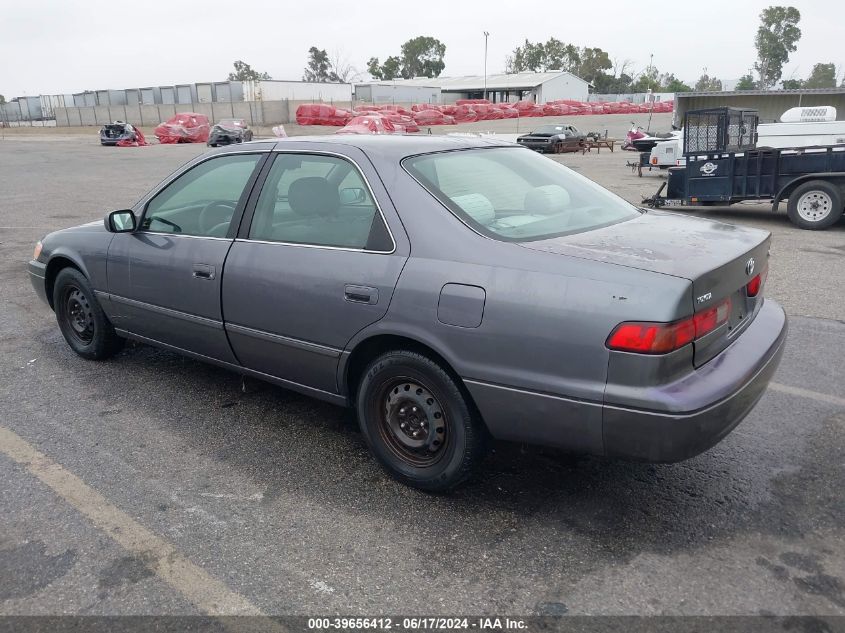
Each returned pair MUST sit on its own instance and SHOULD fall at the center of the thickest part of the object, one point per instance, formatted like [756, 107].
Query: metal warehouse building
[541, 87]
[771, 104]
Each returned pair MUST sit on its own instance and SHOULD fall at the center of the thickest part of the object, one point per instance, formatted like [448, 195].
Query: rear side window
[318, 200]
[514, 194]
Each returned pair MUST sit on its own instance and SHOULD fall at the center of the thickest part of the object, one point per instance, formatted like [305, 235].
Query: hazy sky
[66, 46]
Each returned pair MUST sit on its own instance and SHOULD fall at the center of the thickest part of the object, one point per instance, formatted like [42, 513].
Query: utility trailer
[724, 166]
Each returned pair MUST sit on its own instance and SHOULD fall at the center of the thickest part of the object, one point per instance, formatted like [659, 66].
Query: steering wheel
[214, 214]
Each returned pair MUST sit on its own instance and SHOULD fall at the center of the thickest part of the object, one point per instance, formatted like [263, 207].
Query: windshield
[232, 123]
[514, 194]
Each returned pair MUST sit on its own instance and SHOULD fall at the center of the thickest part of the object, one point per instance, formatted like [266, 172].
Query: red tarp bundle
[138, 142]
[322, 114]
[465, 114]
[368, 124]
[185, 127]
[433, 117]
[403, 121]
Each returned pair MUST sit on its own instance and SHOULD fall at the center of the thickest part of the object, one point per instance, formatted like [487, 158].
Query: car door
[164, 278]
[317, 263]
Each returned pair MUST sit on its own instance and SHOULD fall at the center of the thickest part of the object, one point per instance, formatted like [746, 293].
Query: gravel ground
[275, 496]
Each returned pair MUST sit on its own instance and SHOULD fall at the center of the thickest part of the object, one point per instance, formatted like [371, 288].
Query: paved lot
[154, 484]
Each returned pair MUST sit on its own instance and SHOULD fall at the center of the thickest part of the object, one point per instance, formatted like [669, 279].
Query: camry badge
[749, 266]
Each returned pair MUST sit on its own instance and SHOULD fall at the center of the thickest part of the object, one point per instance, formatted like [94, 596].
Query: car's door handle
[203, 271]
[360, 294]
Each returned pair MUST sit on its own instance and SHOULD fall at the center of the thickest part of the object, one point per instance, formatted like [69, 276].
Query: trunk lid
[718, 259]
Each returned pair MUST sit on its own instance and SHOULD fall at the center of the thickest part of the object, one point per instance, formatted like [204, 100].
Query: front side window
[318, 200]
[202, 201]
[514, 194]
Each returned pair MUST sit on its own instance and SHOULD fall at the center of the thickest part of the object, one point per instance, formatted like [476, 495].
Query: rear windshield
[514, 194]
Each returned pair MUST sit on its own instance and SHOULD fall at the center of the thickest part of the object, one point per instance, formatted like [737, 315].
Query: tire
[406, 388]
[81, 319]
[815, 205]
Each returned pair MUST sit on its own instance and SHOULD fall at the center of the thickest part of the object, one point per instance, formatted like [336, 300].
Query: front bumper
[37, 276]
[697, 411]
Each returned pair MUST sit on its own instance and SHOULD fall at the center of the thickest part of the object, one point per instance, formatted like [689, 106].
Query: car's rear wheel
[81, 318]
[418, 423]
[816, 204]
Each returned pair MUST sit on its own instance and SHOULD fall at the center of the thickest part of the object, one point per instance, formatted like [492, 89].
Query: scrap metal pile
[399, 119]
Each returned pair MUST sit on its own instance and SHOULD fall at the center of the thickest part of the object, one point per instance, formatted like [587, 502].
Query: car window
[317, 200]
[201, 201]
[514, 194]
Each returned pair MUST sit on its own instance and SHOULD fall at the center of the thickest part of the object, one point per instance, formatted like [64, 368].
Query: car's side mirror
[122, 221]
[352, 195]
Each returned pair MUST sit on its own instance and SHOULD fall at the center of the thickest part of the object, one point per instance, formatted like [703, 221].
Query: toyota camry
[450, 290]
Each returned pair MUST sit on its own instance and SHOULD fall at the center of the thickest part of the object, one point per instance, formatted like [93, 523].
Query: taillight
[661, 338]
[654, 160]
[752, 289]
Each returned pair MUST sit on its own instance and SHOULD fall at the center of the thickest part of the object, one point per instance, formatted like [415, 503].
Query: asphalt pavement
[154, 484]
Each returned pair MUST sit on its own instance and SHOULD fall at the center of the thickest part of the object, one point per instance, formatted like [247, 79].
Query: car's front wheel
[418, 423]
[81, 319]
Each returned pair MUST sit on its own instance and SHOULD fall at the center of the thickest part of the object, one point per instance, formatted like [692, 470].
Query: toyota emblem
[749, 267]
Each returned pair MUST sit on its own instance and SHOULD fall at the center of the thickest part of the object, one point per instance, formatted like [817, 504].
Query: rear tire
[815, 205]
[418, 423]
[81, 319]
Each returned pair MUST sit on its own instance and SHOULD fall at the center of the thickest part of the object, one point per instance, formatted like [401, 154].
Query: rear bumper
[695, 413]
[37, 273]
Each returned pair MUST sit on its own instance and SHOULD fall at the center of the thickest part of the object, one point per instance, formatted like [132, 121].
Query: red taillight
[753, 287]
[661, 338]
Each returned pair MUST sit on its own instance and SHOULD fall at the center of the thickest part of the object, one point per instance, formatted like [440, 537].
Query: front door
[318, 264]
[164, 279]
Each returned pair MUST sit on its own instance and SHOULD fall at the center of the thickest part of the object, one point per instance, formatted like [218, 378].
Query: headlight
[37, 252]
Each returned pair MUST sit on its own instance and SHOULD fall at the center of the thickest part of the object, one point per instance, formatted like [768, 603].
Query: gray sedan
[448, 289]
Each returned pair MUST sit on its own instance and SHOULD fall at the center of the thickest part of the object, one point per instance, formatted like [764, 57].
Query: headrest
[313, 196]
[547, 200]
[476, 206]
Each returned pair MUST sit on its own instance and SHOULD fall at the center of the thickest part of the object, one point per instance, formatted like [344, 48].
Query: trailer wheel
[814, 205]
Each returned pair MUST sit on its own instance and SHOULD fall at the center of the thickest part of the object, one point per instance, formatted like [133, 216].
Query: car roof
[388, 146]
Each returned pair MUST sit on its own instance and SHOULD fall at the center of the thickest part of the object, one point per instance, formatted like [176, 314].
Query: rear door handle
[360, 294]
[203, 271]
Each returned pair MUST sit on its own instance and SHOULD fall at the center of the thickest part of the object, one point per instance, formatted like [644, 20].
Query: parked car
[554, 139]
[228, 131]
[449, 289]
[184, 127]
[120, 133]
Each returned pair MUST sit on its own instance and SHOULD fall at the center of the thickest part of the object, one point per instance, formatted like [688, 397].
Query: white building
[273, 90]
[398, 91]
[508, 87]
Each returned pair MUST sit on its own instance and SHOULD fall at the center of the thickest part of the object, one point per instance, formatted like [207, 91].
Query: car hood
[540, 134]
[712, 255]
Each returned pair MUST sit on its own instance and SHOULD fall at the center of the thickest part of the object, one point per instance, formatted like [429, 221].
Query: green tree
[746, 82]
[670, 83]
[777, 37]
[418, 57]
[422, 57]
[528, 57]
[822, 76]
[649, 79]
[390, 69]
[2, 99]
[245, 72]
[593, 63]
[318, 68]
[706, 83]
[560, 56]
[792, 84]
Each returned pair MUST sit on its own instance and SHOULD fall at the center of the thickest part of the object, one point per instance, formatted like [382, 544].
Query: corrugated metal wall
[770, 105]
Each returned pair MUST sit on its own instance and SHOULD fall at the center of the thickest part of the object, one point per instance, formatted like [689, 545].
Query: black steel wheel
[418, 422]
[81, 318]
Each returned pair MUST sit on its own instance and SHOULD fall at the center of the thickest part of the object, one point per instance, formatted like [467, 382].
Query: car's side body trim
[270, 337]
[326, 396]
[178, 314]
